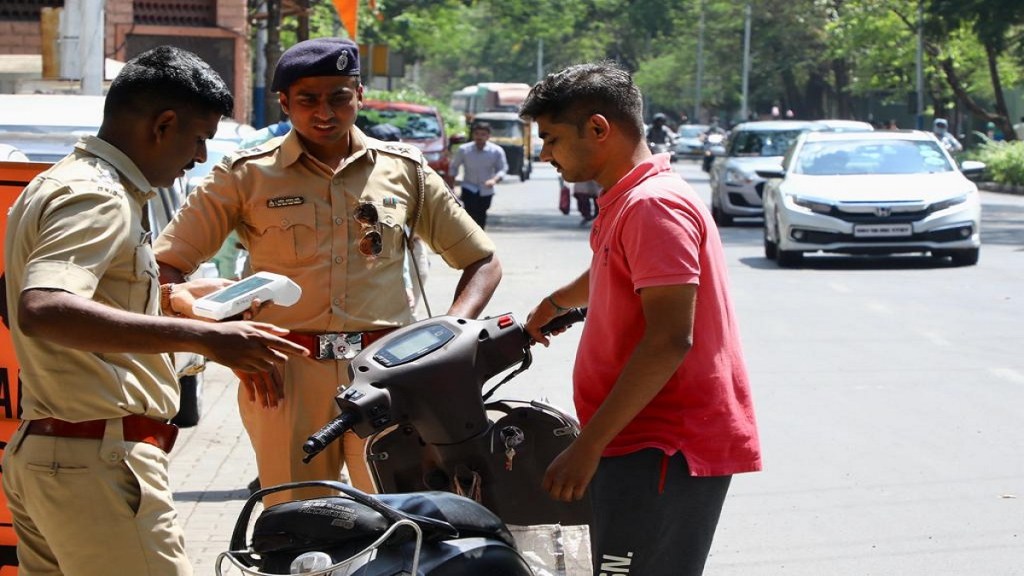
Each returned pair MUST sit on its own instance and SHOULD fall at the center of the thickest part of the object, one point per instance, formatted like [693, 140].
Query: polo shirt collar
[109, 153]
[656, 164]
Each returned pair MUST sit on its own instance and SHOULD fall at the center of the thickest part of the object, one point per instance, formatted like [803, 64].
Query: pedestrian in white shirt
[483, 166]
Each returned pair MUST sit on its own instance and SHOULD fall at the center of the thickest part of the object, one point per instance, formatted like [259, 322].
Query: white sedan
[871, 193]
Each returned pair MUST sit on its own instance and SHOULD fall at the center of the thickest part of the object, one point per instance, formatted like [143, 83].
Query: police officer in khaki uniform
[85, 474]
[328, 207]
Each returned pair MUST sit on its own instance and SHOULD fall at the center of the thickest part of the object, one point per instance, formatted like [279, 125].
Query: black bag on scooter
[423, 534]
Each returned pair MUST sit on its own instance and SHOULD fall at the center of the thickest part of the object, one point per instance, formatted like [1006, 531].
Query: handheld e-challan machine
[235, 299]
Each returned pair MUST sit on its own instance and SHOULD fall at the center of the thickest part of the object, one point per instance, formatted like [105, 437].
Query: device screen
[236, 290]
[415, 345]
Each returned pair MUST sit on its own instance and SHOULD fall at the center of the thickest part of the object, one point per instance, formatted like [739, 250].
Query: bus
[489, 97]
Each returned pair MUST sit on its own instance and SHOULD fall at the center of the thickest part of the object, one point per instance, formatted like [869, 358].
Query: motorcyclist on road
[941, 130]
[659, 132]
[714, 134]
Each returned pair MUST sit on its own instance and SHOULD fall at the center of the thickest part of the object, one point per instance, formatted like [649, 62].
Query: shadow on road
[211, 495]
[855, 262]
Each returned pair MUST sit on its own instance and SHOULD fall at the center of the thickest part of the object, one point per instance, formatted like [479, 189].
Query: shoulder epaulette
[230, 160]
[407, 151]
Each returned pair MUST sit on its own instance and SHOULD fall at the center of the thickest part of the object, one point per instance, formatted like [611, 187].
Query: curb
[1003, 188]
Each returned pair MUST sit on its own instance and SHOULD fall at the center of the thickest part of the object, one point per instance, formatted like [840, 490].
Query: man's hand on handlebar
[543, 313]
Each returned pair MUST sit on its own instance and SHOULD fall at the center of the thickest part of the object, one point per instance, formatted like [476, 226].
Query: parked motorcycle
[435, 444]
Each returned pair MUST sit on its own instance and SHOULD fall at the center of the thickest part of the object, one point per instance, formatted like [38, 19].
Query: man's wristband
[559, 309]
[165, 300]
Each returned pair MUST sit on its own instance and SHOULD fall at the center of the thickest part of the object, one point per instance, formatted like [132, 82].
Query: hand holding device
[236, 298]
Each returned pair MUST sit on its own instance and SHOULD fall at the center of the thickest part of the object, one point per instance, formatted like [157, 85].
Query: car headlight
[736, 177]
[812, 205]
[432, 156]
[949, 202]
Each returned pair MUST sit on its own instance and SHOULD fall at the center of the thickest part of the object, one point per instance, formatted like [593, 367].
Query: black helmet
[659, 117]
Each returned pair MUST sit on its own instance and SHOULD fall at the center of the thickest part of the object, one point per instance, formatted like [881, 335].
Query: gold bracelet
[559, 309]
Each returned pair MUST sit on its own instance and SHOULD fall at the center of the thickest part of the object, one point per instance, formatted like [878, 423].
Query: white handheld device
[234, 299]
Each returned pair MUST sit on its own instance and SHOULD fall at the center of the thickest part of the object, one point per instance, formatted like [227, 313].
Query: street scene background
[888, 394]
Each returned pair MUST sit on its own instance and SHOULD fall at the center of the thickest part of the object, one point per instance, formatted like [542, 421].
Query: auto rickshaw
[512, 133]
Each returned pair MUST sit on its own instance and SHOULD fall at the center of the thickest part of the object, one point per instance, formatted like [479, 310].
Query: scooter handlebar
[329, 433]
[564, 321]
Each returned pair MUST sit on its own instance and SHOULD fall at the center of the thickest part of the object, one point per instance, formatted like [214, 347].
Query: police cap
[316, 57]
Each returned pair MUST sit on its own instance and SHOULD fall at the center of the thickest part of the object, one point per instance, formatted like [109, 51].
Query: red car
[419, 125]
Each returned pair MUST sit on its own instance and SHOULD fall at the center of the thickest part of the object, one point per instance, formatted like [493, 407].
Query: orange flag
[348, 11]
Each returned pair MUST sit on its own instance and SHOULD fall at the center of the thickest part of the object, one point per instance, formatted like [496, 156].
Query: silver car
[690, 141]
[871, 193]
[736, 188]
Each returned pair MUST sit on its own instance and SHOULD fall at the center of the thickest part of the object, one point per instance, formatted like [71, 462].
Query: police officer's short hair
[167, 77]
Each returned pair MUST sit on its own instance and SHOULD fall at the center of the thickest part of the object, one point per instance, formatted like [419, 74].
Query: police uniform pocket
[144, 285]
[284, 234]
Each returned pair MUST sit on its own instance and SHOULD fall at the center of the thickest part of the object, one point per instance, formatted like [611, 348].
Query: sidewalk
[210, 467]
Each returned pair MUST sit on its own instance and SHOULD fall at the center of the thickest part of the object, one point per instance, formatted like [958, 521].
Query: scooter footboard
[501, 468]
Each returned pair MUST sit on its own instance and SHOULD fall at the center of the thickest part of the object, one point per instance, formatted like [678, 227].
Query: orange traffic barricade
[13, 178]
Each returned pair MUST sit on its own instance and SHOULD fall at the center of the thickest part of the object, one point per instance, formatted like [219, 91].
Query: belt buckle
[339, 345]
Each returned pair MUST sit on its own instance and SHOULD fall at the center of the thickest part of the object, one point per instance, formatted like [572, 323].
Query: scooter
[435, 443]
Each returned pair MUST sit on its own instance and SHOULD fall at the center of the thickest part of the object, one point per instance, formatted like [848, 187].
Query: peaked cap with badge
[316, 57]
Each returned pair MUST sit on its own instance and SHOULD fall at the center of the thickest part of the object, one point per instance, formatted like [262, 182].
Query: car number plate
[881, 230]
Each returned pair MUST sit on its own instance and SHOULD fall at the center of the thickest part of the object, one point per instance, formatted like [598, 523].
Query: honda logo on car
[883, 211]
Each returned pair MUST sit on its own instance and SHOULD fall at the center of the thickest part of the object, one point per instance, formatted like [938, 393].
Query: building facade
[216, 30]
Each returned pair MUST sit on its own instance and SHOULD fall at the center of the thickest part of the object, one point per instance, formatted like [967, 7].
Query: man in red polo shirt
[660, 385]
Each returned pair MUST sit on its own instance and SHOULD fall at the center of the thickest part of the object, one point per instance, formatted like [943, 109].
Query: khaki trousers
[92, 507]
[277, 434]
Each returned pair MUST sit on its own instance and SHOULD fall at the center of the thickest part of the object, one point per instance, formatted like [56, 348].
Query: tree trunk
[953, 79]
[841, 73]
[302, 32]
[273, 54]
[1003, 120]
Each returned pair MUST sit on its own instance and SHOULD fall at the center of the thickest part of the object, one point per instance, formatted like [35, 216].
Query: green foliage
[817, 57]
[454, 123]
[1004, 162]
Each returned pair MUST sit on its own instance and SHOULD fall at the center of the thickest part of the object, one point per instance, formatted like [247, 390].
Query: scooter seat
[468, 517]
[317, 523]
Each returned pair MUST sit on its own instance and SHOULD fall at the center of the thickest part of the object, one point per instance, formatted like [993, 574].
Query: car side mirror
[458, 139]
[972, 168]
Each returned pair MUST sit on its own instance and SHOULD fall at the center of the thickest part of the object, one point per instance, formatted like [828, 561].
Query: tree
[992, 22]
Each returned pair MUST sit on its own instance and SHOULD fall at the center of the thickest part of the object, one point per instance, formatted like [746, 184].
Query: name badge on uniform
[282, 201]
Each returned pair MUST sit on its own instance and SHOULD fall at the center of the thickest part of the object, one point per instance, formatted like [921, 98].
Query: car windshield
[840, 158]
[691, 131]
[413, 125]
[506, 128]
[762, 142]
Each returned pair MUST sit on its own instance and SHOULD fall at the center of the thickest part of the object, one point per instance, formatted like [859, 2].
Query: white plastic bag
[555, 550]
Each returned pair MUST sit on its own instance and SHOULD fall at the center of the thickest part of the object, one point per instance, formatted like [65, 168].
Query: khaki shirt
[294, 215]
[78, 227]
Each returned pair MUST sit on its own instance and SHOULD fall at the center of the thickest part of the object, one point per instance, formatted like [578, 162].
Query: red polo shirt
[653, 230]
